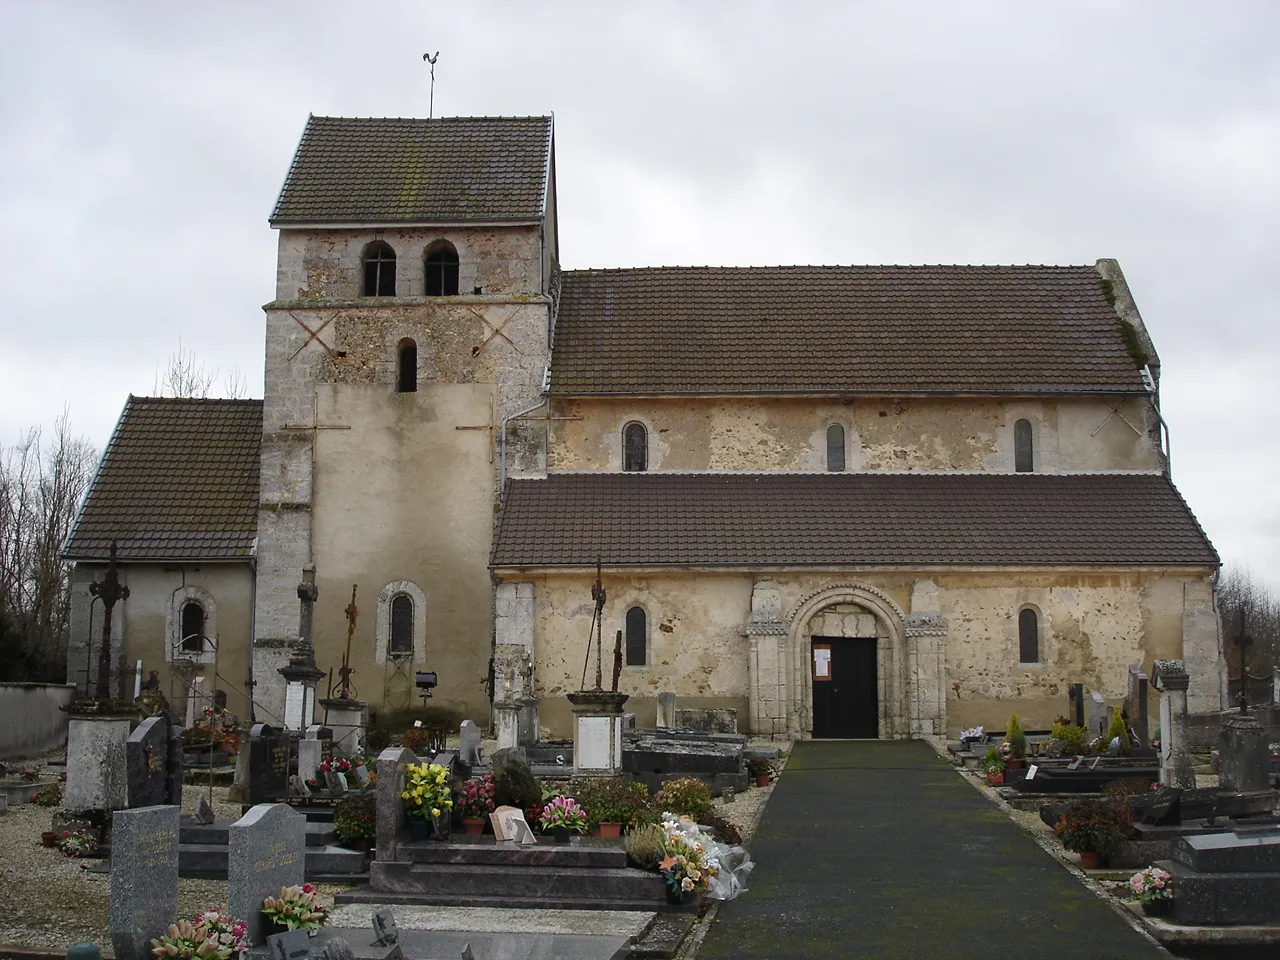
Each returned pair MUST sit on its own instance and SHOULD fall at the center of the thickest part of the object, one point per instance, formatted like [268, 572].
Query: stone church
[869, 501]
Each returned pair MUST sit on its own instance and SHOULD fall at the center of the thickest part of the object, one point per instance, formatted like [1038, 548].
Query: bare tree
[1245, 598]
[234, 385]
[41, 486]
[184, 376]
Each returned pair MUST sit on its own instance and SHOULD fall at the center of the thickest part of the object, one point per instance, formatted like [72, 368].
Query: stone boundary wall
[1203, 728]
[31, 721]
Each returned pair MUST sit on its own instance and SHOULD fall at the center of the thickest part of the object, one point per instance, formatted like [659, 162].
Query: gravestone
[1165, 809]
[709, 720]
[336, 782]
[392, 825]
[1244, 763]
[146, 754]
[1097, 715]
[469, 743]
[290, 945]
[144, 878]
[264, 855]
[1075, 696]
[384, 928]
[666, 710]
[362, 776]
[1227, 878]
[1176, 766]
[310, 753]
[1136, 705]
[204, 812]
[173, 768]
[268, 763]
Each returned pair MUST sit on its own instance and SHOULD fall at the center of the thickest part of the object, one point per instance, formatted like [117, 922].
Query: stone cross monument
[110, 591]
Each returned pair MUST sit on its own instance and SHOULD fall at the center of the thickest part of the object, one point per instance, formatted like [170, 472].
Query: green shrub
[645, 846]
[355, 819]
[1017, 739]
[1074, 739]
[725, 831]
[611, 799]
[514, 783]
[1123, 789]
[689, 797]
[992, 762]
[1117, 729]
[760, 767]
[50, 796]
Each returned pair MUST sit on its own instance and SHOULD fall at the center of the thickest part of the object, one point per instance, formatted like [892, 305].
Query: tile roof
[838, 330]
[847, 519]
[178, 481]
[358, 170]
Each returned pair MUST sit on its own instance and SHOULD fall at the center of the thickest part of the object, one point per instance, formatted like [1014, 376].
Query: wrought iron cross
[110, 591]
[345, 671]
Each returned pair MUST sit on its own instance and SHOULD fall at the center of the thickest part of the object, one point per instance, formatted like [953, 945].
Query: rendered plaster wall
[1092, 626]
[955, 664]
[33, 718]
[395, 487]
[695, 642]
[143, 625]
[906, 434]
[326, 264]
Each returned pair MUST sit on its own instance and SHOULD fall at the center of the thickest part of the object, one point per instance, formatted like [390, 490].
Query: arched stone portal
[909, 656]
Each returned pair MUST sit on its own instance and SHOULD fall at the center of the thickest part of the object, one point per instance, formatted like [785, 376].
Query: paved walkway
[879, 849]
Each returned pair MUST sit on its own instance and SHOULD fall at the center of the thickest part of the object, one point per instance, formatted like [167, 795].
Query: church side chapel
[859, 501]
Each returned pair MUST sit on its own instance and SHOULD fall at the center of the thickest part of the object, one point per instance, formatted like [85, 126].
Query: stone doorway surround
[910, 655]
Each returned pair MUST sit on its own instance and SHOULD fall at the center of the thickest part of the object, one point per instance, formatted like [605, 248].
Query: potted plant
[563, 815]
[355, 821]
[210, 935]
[1075, 739]
[427, 799]
[476, 800]
[78, 843]
[297, 908]
[761, 769]
[993, 764]
[1017, 740]
[1094, 829]
[1154, 889]
[49, 838]
[611, 803]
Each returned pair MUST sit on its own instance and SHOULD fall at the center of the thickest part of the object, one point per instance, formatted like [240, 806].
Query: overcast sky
[142, 146]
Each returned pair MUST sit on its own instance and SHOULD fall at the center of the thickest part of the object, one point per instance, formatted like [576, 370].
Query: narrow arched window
[835, 447]
[192, 627]
[402, 624]
[635, 447]
[637, 637]
[441, 269]
[379, 270]
[1028, 637]
[1023, 450]
[407, 366]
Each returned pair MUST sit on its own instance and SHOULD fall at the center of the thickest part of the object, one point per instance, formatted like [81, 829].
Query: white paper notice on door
[821, 662]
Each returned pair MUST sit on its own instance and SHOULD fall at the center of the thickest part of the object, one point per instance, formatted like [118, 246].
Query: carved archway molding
[891, 656]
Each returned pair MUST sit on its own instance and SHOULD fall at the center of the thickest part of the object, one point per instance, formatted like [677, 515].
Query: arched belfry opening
[407, 366]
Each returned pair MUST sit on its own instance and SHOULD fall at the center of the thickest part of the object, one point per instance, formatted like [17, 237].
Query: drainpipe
[502, 460]
[253, 622]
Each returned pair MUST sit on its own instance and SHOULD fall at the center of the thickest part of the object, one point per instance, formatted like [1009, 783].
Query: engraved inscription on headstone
[268, 763]
[384, 928]
[146, 759]
[144, 878]
[290, 945]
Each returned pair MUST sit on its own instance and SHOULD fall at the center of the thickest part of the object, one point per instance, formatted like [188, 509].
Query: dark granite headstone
[1075, 696]
[173, 768]
[384, 928]
[1136, 705]
[291, 945]
[146, 755]
[335, 781]
[144, 878]
[1165, 809]
[268, 763]
[337, 949]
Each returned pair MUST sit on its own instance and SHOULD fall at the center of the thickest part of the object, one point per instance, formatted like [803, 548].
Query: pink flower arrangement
[564, 813]
[476, 797]
[1152, 884]
[336, 764]
[297, 908]
[208, 936]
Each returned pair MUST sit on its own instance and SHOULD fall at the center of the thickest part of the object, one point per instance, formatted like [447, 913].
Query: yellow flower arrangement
[426, 790]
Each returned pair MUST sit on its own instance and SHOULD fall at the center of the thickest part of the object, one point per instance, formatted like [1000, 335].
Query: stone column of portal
[767, 668]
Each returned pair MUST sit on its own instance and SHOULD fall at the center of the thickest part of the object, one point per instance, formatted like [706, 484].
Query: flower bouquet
[297, 908]
[339, 765]
[476, 799]
[78, 843]
[210, 936]
[1154, 889]
[683, 866]
[562, 815]
[426, 797]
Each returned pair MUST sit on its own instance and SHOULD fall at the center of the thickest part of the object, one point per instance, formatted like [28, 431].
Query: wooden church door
[845, 703]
